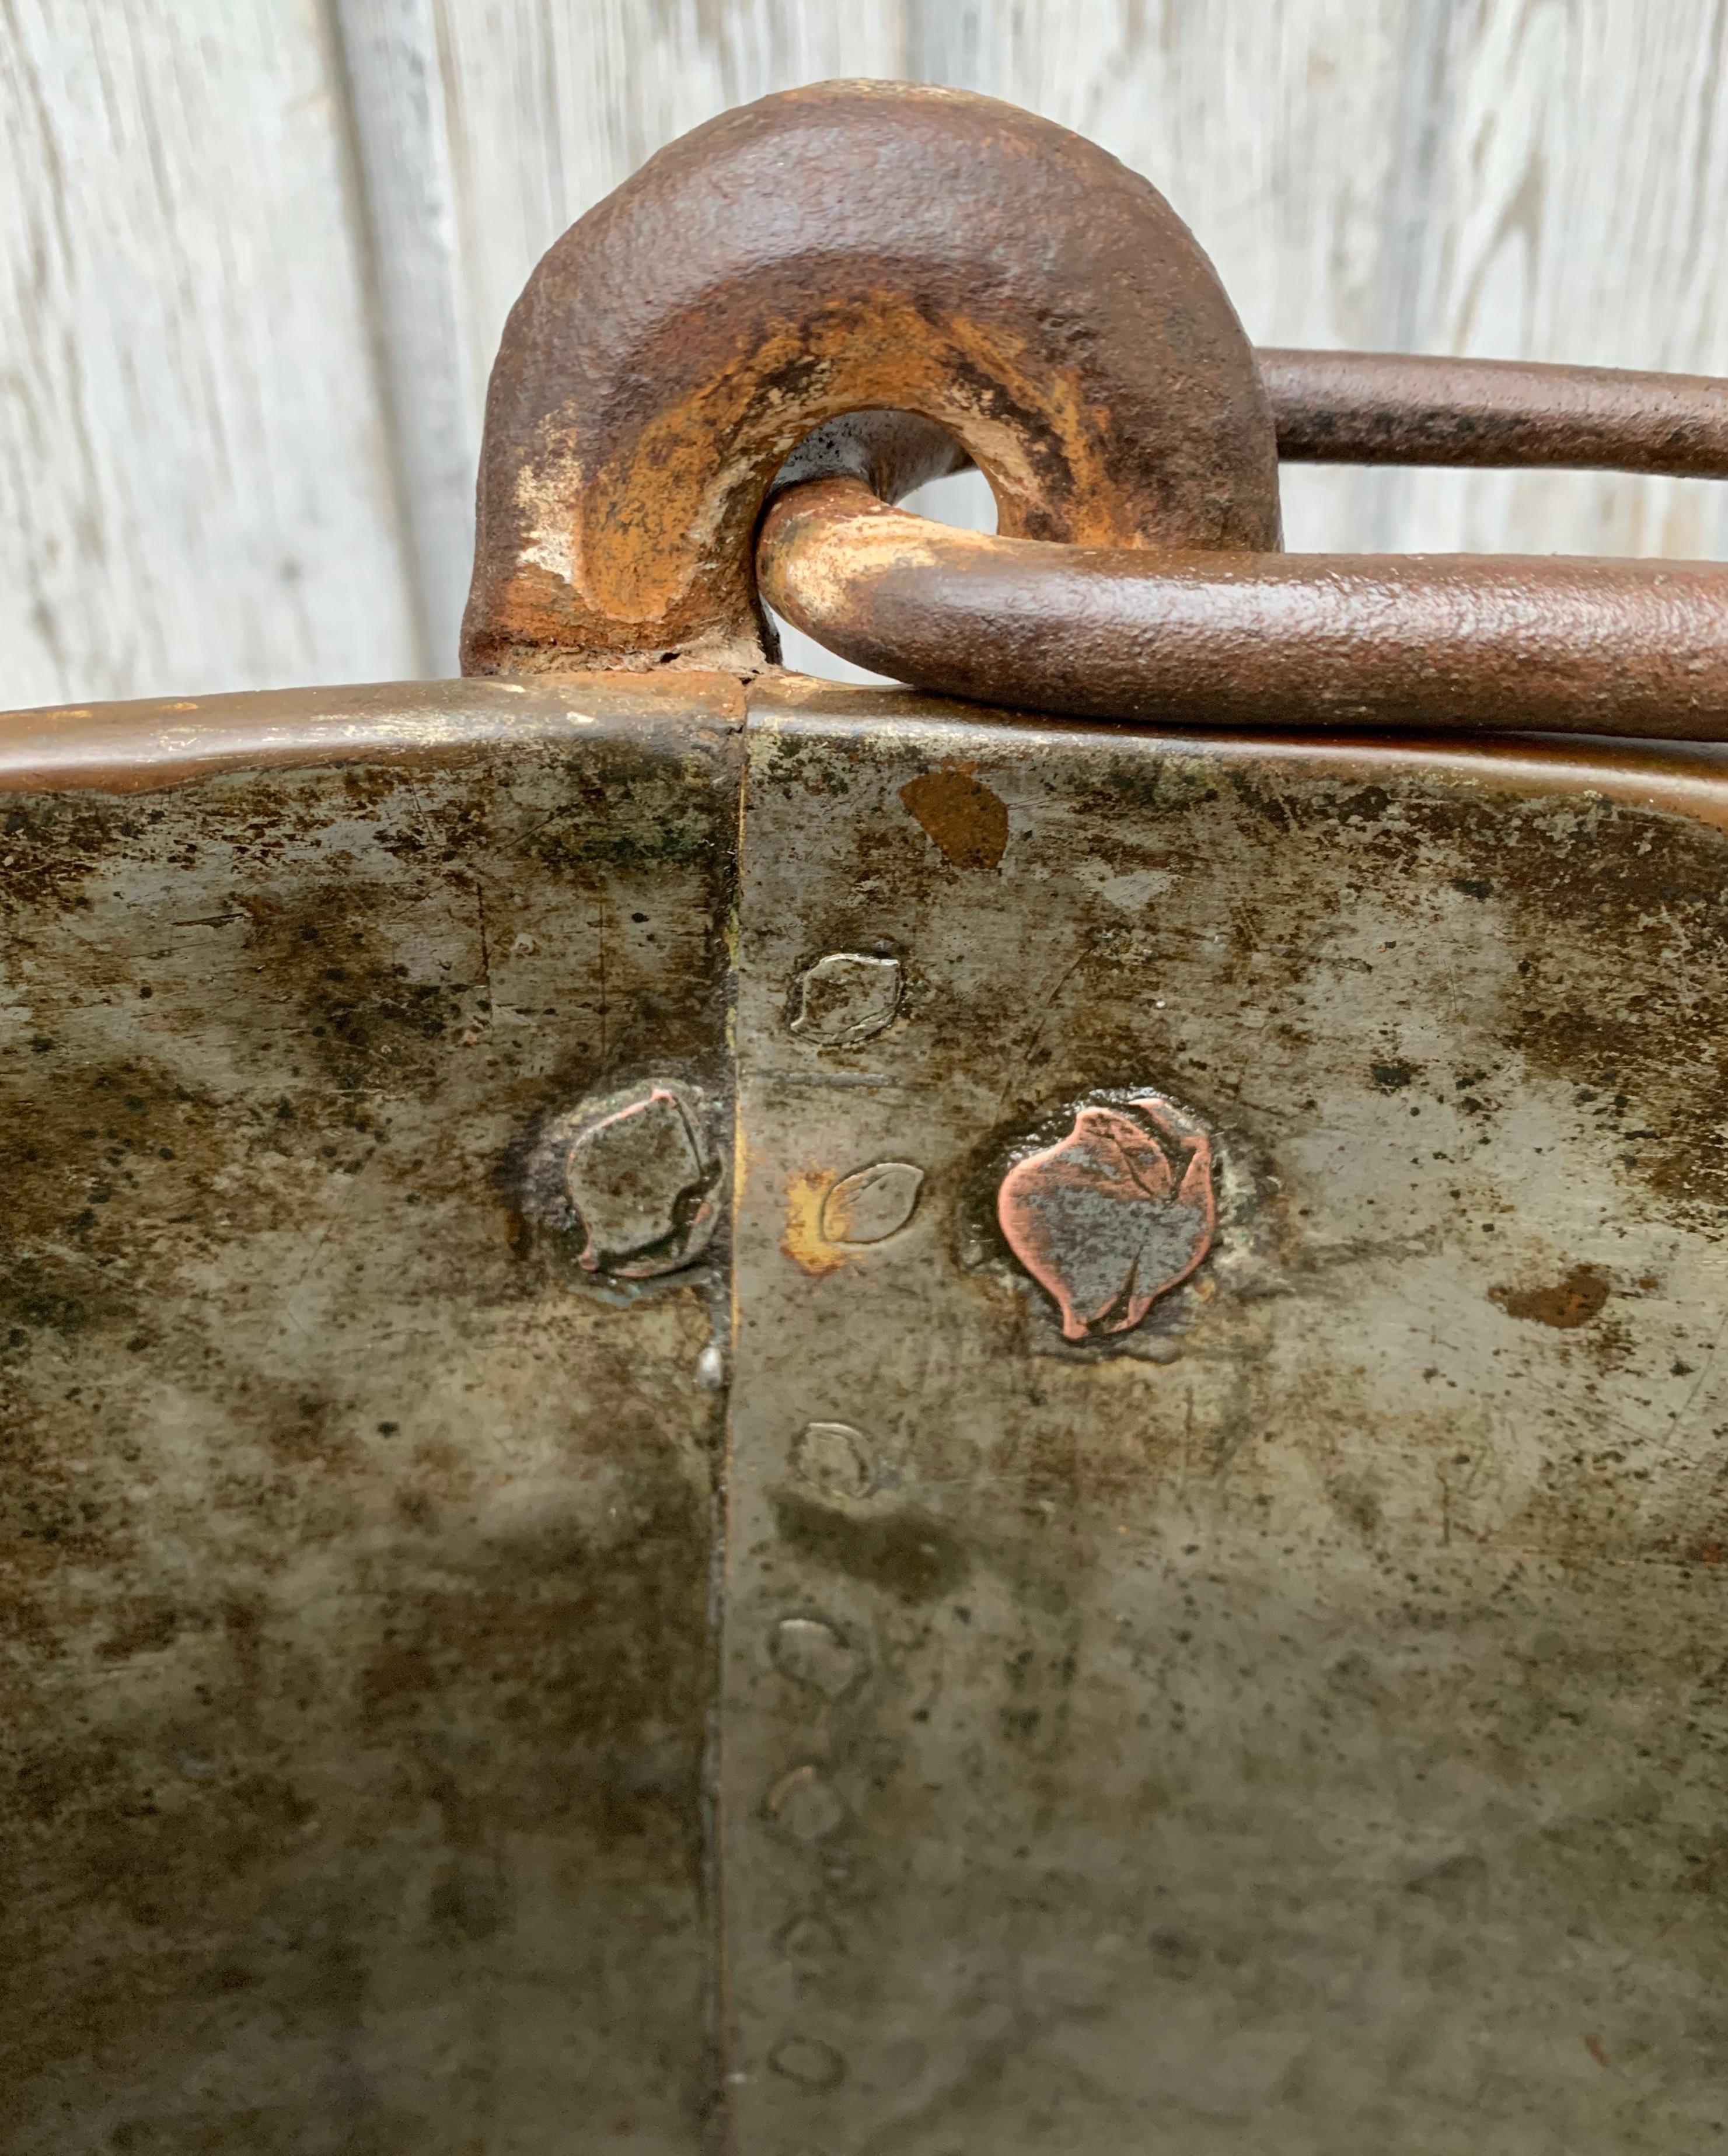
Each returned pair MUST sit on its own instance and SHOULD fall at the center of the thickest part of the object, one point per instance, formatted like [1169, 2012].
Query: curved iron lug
[840, 250]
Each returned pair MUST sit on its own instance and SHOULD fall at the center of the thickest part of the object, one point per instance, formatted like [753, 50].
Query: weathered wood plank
[1580, 173]
[549, 109]
[389, 58]
[194, 490]
[201, 456]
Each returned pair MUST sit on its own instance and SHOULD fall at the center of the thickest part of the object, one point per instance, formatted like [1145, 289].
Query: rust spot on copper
[963, 820]
[1566, 1305]
[1114, 1214]
[829, 1216]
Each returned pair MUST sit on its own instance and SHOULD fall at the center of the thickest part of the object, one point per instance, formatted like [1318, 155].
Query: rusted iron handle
[1398, 409]
[1457, 642]
[843, 249]
[877, 278]
[1392, 407]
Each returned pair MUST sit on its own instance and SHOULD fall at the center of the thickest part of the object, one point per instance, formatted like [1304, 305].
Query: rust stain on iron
[803, 1240]
[1566, 1305]
[963, 820]
[1114, 1214]
[1102, 381]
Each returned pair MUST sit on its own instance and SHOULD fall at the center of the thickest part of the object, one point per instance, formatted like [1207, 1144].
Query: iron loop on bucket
[877, 282]
[843, 249]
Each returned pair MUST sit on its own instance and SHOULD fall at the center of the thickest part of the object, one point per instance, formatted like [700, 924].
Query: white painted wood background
[256, 255]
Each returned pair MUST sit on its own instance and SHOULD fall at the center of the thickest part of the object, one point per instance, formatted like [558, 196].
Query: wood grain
[1576, 212]
[391, 63]
[194, 488]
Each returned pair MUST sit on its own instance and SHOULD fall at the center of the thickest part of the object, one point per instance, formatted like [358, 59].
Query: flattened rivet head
[812, 1653]
[811, 1939]
[872, 1204]
[641, 1182]
[808, 2060]
[806, 1805]
[1114, 1214]
[834, 1459]
[844, 998]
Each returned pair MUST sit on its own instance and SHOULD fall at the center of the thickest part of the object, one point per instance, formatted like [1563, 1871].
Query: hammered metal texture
[1289, 1721]
[357, 1551]
[1293, 1727]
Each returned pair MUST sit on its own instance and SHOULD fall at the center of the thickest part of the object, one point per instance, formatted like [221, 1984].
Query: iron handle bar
[987, 285]
[1407, 409]
[1398, 408]
[1454, 642]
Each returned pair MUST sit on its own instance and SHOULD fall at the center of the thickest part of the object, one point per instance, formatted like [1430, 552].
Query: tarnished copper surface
[1023, 1615]
[1406, 408]
[1685, 779]
[142, 746]
[1113, 1214]
[846, 246]
[1357, 1608]
[1292, 1725]
[355, 1543]
[1535, 644]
